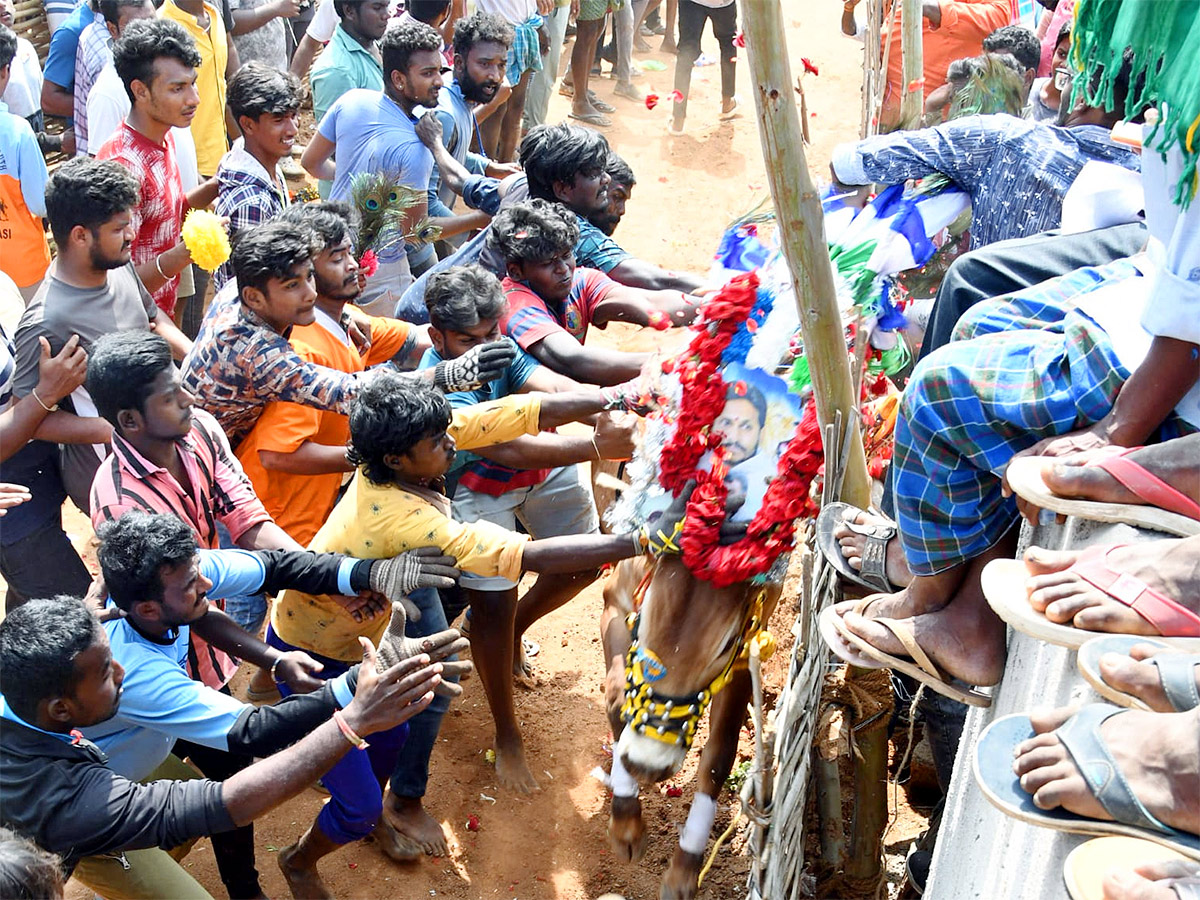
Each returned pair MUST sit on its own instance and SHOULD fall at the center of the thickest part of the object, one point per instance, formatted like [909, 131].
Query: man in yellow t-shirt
[295, 456]
[403, 439]
[219, 60]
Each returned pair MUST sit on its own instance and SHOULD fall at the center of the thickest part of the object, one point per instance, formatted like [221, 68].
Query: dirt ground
[553, 844]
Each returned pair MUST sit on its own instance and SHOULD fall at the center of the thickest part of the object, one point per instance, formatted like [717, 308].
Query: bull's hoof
[626, 832]
[679, 882]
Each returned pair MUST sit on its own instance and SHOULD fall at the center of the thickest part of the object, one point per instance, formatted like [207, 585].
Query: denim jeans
[411, 775]
[248, 610]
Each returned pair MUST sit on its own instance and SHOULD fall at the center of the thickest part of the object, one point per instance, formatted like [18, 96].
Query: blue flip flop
[992, 763]
[1176, 671]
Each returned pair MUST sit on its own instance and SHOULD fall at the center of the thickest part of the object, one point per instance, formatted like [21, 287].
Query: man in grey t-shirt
[91, 289]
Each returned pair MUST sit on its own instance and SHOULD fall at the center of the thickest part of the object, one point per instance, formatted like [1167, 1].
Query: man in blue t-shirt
[372, 131]
[162, 583]
[58, 75]
[536, 478]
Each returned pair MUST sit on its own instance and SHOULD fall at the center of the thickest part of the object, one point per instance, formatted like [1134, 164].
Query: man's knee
[351, 815]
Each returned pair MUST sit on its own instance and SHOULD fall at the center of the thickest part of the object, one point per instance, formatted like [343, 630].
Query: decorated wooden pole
[802, 233]
[912, 102]
[802, 236]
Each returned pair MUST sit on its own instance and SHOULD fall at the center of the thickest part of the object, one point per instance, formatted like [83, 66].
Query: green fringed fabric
[1162, 36]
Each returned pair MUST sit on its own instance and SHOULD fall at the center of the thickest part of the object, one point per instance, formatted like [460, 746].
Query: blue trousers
[355, 783]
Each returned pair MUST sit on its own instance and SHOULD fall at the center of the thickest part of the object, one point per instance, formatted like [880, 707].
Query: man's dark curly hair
[135, 548]
[331, 220]
[8, 46]
[533, 231]
[558, 153]
[401, 41]
[271, 250]
[144, 42]
[390, 416]
[479, 28]
[88, 192]
[257, 89]
[1022, 43]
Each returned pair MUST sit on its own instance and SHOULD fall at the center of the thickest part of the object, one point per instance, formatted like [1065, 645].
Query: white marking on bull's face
[649, 760]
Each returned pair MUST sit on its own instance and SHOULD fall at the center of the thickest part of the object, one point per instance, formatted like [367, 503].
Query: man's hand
[12, 495]
[297, 670]
[399, 576]
[635, 395]
[615, 435]
[543, 40]
[932, 10]
[429, 129]
[360, 327]
[365, 607]
[502, 170]
[476, 367]
[395, 647]
[60, 374]
[545, 8]
[1088, 440]
[383, 700]
[286, 9]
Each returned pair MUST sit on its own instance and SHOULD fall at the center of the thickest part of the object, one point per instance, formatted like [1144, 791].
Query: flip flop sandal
[1004, 587]
[1168, 510]
[874, 558]
[918, 665]
[993, 767]
[595, 119]
[1176, 671]
[1085, 866]
[839, 646]
[603, 105]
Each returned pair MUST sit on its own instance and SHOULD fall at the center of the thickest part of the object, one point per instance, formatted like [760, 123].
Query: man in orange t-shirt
[24, 253]
[295, 456]
[950, 30]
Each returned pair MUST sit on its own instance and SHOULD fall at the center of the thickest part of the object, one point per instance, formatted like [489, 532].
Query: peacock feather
[383, 203]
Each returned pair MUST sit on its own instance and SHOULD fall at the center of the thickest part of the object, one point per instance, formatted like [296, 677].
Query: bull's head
[688, 636]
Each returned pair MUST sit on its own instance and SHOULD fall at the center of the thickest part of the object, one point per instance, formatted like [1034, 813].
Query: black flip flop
[873, 574]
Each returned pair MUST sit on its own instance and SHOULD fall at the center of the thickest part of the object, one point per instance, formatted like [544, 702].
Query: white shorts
[561, 504]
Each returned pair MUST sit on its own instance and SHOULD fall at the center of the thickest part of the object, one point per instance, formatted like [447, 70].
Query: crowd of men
[370, 439]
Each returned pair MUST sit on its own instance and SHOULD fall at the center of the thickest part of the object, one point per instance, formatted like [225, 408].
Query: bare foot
[513, 772]
[394, 846]
[668, 46]
[679, 881]
[415, 828]
[1156, 752]
[626, 830]
[305, 884]
[1149, 881]
[1170, 567]
[1172, 461]
[1133, 676]
[962, 640]
[853, 543]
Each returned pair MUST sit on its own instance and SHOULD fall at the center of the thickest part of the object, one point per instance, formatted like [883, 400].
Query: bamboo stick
[912, 103]
[802, 230]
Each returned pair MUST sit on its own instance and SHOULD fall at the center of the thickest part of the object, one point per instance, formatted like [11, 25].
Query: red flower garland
[770, 534]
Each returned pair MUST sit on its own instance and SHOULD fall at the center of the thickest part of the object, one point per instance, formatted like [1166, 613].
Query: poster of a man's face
[759, 416]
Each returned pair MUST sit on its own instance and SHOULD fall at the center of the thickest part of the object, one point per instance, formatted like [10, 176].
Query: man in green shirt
[351, 59]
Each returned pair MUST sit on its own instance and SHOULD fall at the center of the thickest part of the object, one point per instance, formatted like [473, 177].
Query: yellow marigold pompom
[205, 238]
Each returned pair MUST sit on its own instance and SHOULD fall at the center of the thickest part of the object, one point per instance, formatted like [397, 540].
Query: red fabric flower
[651, 100]
[739, 40]
[677, 96]
[368, 263]
[809, 66]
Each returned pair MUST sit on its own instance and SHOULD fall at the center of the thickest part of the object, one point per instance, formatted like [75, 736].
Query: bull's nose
[649, 760]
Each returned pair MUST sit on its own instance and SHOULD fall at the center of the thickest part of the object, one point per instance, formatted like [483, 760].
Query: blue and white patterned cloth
[1017, 172]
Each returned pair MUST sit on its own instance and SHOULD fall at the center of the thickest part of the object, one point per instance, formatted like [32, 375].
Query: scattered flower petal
[651, 100]
[809, 66]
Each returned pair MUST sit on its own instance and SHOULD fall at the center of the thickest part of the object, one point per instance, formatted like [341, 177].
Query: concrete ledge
[981, 853]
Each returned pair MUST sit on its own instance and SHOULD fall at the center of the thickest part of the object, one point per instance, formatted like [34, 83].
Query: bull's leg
[626, 831]
[727, 715]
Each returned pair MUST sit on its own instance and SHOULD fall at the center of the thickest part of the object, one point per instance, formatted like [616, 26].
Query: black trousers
[233, 850]
[42, 565]
[692, 17]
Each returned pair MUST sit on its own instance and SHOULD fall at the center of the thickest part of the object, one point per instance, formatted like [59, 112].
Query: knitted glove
[400, 575]
[395, 647]
[476, 367]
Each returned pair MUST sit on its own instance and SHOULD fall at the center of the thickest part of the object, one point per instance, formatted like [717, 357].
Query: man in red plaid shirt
[156, 60]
